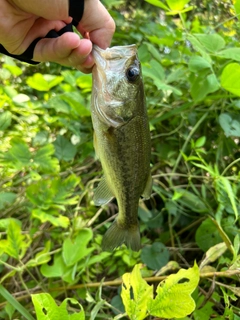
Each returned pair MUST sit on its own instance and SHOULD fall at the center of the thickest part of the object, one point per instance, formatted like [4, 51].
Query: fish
[121, 140]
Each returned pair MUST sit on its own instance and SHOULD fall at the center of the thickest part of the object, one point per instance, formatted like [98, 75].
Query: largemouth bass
[121, 140]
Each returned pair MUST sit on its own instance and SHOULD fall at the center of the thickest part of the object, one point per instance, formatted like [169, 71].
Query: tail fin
[116, 235]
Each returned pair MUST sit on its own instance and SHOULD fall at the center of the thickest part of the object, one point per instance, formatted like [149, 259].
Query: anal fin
[102, 194]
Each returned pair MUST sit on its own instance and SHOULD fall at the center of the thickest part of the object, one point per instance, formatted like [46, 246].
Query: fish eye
[132, 74]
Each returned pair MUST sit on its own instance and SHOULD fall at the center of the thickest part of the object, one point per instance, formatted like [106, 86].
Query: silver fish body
[121, 140]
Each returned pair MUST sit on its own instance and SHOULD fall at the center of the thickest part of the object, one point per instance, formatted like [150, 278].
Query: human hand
[24, 21]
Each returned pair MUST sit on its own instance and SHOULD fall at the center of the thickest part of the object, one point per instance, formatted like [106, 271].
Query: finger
[67, 49]
[98, 22]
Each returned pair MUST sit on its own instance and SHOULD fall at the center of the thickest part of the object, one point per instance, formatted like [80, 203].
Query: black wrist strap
[76, 9]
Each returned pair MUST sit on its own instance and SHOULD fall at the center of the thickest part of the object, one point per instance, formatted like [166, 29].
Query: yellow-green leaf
[173, 298]
[136, 305]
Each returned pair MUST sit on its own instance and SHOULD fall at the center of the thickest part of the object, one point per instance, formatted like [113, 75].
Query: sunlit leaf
[50, 216]
[173, 298]
[47, 309]
[136, 304]
[230, 78]
[177, 5]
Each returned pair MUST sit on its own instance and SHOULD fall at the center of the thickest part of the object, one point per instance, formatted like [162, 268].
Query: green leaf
[15, 245]
[197, 63]
[207, 235]
[201, 87]
[177, 5]
[237, 8]
[76, 249]
[173, 298]
[44, 160]
[158, 3]
[230, 123]
[155, 256]
[47, 309]
[64, 150]
[4, 223]
[49, 216]
[43, 82]
[57, 269]
[230, 53]
[136, 305]
[199, 47]
[19, 154]
[7, 199]
[230, 78]
[5, 120]
[212, 42]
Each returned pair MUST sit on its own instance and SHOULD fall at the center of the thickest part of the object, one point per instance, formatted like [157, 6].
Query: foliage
[51, 232]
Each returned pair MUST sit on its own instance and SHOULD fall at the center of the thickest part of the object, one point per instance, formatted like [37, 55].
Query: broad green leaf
[5, 120]
[230, 123]
[15, 70]
[177, 5]
[173, 298]
[155, 256]
[64, 149]
[50, 216]
[207, 235]
[212, 42]
[201, 87]
[85, 82]
[230, 78]
[197, 63]
[47, 309]
[76, 249]
[57, 269]
[174, 12]
[230, 53]
[158, 3]
[197, 45]
[44, 160]
[7, 199]
[136, 304]
[43, 82]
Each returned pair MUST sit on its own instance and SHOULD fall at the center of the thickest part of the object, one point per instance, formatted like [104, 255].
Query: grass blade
[8, 297]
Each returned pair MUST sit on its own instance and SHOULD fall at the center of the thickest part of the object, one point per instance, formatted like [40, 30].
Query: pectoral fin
[102, 194]
[148, 188]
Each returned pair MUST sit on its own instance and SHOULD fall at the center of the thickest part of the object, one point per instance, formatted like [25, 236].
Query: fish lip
[100, 55]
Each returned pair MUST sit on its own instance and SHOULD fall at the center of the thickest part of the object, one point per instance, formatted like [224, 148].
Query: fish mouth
[100, 56]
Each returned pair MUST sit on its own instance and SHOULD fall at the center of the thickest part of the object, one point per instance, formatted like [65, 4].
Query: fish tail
[117, 234]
